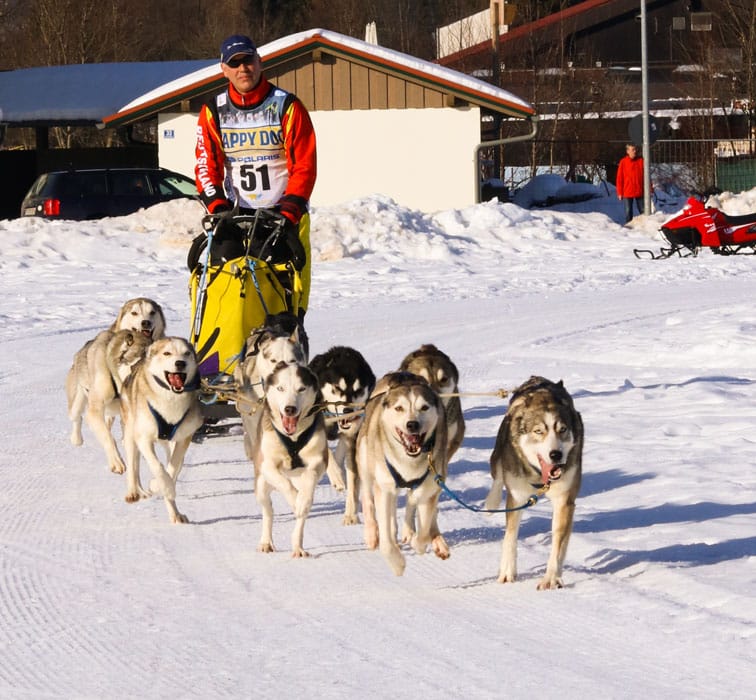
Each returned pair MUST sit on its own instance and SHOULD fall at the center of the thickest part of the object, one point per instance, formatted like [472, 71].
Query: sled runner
[699, 226]
[244, 268]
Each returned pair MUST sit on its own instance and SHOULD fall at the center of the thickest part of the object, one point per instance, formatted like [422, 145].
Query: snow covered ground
[99, 598]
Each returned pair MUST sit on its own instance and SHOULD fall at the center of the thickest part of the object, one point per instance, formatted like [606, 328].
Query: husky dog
[100, 366]
[265, 348]
[141, 315]
[291, 450]
[346, 381]
[159, 403]
[442, 374]
[540, 443]
[401, 441]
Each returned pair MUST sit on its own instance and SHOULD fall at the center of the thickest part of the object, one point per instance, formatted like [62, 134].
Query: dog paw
[397, 563]
[134, 496]
[350, 520]
[179, 518]
[408, 535]
[299, 553]
[117, 468]
[265, 547]
[419, 544]
[77, 440]
[550, 583]
[506, 578]
[440, 548]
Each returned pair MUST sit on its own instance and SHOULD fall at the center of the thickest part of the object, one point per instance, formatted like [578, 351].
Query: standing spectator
[630, 181]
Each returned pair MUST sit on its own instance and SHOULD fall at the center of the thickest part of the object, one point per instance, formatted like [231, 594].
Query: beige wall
[421, 158]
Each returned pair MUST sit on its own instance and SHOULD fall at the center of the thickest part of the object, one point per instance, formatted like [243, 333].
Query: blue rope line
[477, 509]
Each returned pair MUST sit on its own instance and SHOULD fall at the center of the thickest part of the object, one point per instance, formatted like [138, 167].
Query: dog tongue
[175, 379]
[289, 423]
[546, 468]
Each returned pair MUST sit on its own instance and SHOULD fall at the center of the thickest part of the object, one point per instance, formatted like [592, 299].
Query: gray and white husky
[540, 442]
[402, 445]
[160, 405]
[99, 367]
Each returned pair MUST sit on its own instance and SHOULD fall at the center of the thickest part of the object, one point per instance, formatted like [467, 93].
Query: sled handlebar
[265, 217]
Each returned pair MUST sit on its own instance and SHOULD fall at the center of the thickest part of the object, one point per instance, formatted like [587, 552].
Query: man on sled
[255, 170]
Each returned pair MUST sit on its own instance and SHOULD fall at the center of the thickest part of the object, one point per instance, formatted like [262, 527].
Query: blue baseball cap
[235, 45]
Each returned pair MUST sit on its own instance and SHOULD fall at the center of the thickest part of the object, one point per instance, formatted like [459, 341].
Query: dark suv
[93, 194]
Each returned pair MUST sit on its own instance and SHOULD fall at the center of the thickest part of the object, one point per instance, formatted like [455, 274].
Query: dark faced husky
[94, 381]
[291, 450]
[159, 404]
[346, 381]
[401, 443]
[540, 442]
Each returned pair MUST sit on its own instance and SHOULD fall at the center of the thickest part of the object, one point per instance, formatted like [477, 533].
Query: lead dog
[99, 368]
[291, 451]
[159, 404]
[346, 381]
[441, 373]
[540, 442]
[401, 443]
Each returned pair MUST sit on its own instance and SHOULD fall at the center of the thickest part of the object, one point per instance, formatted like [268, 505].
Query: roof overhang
[318, 41]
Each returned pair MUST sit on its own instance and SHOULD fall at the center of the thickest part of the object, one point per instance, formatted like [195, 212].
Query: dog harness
[166, 430]
[412, 484]
[293, 447]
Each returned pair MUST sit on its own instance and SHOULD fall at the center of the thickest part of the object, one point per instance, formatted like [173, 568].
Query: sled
[699, 226]
[237, 280]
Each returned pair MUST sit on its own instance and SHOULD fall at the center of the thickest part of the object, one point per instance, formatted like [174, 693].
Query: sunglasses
[245, 60]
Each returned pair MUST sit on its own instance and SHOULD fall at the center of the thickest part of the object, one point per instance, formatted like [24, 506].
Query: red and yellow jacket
[258, 147]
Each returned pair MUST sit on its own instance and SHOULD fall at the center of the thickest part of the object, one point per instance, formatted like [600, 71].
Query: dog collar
[293, 447]
[166, 430]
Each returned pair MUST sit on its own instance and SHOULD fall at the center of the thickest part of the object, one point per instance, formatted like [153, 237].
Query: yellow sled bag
[234, 297]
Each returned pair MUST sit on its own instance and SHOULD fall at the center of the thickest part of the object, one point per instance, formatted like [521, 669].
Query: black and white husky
[346, 381]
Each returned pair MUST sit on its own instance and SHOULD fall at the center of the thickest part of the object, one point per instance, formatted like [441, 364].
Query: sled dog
[346, 381]
[94, 381]
[291, 450]
[265, 348]
[401, 443]
[141, 315]
[442, 374]
[540, 442]
[159, 404]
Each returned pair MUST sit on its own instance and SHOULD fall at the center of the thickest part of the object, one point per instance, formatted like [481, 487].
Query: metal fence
[690, 165]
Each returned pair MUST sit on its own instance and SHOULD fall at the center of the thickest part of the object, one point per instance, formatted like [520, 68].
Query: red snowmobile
[699, 226]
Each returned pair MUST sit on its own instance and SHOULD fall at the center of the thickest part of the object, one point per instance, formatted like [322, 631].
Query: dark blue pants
[628, 202]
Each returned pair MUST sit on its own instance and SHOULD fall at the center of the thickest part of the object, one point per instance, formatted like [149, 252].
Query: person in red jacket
[256, 149]
[630, 181]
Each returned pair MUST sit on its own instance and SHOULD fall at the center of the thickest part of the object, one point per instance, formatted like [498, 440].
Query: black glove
[297, 253]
